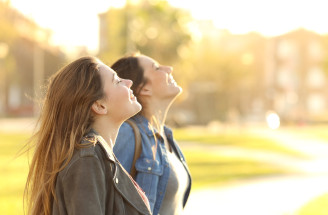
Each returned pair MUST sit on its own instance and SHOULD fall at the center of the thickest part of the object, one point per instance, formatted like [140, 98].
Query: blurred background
[255, 80]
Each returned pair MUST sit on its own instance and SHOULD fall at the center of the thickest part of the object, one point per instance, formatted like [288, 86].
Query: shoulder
[125, 128]
[85, 158]
[125, 136]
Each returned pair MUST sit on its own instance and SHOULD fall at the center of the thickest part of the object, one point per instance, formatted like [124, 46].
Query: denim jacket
[152, 170]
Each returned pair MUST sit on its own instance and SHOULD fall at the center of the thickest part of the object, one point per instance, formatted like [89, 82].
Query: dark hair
[129, 68]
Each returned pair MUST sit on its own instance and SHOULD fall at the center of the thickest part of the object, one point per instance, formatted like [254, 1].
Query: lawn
[317, 206]
[207, 168]
[238, 139]
[311, 131]
[13, 173]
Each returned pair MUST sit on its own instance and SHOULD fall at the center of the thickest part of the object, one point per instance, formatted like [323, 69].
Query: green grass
[238, 139]
[206, 168]
[317, 206]
[309, 131]
[214, 169]
[13, 173]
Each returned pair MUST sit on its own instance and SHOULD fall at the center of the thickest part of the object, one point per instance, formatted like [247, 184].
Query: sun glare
[273, 120]
[75, 23]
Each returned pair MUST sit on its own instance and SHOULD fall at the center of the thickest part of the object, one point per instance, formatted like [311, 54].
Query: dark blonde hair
[65, 118]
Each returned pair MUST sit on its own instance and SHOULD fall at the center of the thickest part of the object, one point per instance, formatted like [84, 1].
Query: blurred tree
[234, 64]
[152, 27]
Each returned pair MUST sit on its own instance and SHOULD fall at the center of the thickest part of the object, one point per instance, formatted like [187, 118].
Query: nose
[128, 83]
[169, 69]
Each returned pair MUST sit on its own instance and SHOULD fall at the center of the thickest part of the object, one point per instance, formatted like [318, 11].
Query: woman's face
[119, 98]
[159, 79]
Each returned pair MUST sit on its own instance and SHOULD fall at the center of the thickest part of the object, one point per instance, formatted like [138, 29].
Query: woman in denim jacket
[161, 170]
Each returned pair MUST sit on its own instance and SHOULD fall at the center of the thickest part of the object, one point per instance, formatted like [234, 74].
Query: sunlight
[268, 17]
[76, 23]
[73, 23]
[273, 120]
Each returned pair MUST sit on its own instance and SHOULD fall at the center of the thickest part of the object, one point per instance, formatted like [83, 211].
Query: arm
[124, 146]
[84, 187]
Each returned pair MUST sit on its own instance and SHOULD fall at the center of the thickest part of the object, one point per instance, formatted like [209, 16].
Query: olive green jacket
[95, 183]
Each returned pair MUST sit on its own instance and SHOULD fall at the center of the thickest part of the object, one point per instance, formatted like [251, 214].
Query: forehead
[105, 71]
[146, 61]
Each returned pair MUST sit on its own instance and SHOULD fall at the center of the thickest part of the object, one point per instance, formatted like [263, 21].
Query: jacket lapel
[129, 192]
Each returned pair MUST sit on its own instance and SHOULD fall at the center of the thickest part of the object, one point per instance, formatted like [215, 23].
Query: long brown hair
[65, 117]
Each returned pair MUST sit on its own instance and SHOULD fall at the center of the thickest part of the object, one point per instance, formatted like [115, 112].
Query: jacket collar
[92, 137]
[146, 127]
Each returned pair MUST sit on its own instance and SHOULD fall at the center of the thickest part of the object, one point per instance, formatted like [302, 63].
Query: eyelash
[118, 81]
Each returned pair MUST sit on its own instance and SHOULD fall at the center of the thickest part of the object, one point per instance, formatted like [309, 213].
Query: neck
[156, 112]
[107, 129]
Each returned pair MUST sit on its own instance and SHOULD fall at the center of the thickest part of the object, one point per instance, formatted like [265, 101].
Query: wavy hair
[65, 118]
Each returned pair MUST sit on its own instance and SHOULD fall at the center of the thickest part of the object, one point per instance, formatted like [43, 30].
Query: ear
[146, 91]
[99, 108]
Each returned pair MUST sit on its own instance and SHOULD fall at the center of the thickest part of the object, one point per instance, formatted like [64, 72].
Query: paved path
[273, 196]
[281, 195]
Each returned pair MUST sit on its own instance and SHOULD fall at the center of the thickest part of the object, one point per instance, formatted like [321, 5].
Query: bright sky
[75, 22]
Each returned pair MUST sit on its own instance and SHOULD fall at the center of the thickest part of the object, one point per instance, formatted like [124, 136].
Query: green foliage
[152, 27]
[317, 206]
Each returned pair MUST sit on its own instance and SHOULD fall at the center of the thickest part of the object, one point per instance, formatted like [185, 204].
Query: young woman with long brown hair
[73, 169]
[161, 170]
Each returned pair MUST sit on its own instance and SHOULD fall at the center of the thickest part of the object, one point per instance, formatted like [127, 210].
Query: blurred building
[295, 77]
[26, 64]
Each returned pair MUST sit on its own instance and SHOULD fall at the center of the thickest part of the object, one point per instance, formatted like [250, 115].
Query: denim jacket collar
[147, 127]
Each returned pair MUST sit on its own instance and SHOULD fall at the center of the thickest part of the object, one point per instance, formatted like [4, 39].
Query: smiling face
[119, 99]
[160, 82]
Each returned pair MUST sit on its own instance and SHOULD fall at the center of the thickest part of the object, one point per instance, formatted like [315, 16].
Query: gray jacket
[95, 183]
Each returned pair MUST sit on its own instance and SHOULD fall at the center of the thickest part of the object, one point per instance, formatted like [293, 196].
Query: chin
[178, 91]
[136, 108]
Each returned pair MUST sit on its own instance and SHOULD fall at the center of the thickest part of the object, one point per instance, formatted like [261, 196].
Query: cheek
[119, 96]
[159, 79]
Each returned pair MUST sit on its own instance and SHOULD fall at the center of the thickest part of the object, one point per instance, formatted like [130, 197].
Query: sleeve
[85, 188]
[124, 146]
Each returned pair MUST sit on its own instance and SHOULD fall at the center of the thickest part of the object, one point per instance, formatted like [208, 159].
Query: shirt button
[181, 159]
[116, 180]
[149, 168]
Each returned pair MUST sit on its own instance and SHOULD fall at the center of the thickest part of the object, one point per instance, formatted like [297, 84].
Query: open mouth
[172, 81]
[132, 97]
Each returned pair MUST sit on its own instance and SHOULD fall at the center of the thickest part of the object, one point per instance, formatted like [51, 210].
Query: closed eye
[156, 66]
